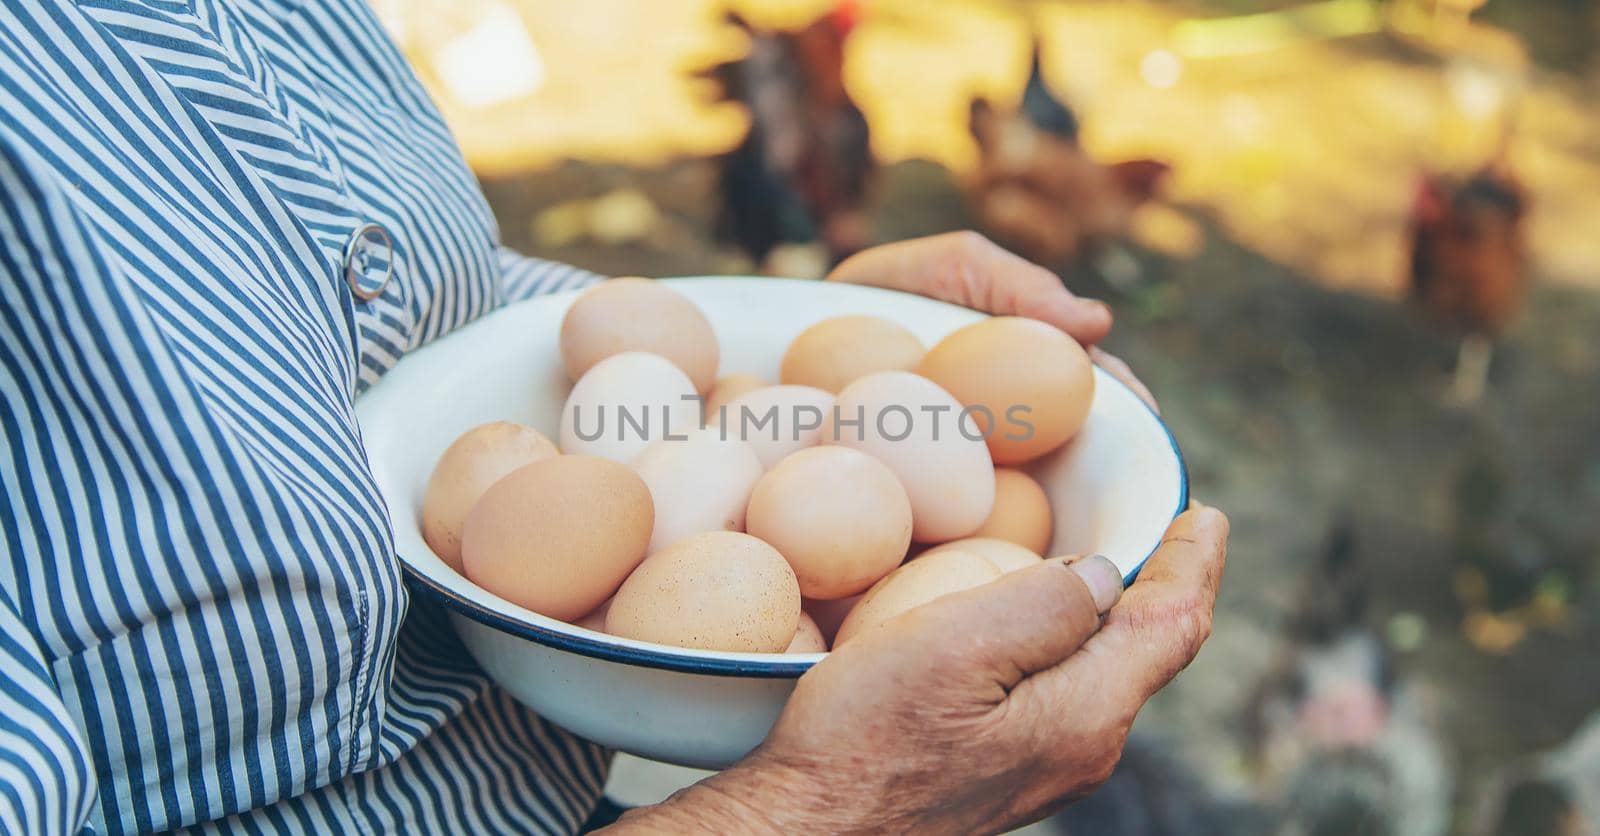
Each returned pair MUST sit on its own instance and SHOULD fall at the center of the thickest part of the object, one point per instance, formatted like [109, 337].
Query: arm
[976, 713]
[523, 277]
[47, 779]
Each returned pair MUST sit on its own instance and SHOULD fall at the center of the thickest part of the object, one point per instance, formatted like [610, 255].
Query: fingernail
[1103, 579]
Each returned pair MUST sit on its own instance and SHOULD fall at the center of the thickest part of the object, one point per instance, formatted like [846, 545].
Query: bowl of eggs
[650, 506]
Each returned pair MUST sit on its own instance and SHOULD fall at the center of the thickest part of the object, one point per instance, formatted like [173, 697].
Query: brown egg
[1021, 512]
[807, 637]
[839, 516]
[473, 462]
[928, 578]
[727, 389]
[1028, 385]
[1004, 554]
[558, 536]
[715, 591]
[833, 353]
[634, 314]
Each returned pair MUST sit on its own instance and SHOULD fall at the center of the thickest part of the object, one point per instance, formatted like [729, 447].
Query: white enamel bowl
[1114, 489]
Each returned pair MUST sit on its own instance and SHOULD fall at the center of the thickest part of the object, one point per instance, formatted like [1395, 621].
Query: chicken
[800, 176]
[1155, 792]
[1349, 743]
[1038, 192]
[1469, 263]
[1555, 793]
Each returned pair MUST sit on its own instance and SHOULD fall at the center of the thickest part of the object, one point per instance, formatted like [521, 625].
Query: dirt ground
[1295, 406]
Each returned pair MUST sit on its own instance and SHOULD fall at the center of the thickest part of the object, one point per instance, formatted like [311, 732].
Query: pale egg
[1004, 554]
[924, 580]
[839, 516]
[828, 615]
[776, 420]
[559, 535]
[1021, 512]
[913, 426]
[833, 353]
[473, 462]
[807, 637]
[633, 314]
[1028, 385]
[596, 620]
[626, 402]
[715, 591]
[699, 483]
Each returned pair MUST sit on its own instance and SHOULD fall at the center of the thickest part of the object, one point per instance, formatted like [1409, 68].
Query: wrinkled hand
[976, 713]
[967, 269]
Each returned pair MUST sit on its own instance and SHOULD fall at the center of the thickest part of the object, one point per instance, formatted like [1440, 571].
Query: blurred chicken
[1469, 262]
[1154, 792]
[1350, 745]
[1555, 793]
[1038, 192]
[800, 176]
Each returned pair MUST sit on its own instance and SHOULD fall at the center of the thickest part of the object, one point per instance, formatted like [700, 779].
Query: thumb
[1028, 620]
[1011, 285]
[1086, 320]
[1165, 616]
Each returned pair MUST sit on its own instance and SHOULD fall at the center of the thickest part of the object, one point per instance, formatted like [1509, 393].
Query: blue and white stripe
[202, 620]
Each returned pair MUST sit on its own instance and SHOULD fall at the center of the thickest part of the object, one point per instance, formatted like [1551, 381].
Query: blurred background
[1353, 246]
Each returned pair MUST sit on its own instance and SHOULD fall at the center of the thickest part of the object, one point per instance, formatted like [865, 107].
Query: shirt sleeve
[46, 785]
[47, 779]
[522, 277]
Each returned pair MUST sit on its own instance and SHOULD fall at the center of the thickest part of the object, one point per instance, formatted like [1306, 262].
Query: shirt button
[368, 261]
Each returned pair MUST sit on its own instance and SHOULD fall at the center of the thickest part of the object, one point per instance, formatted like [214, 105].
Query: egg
[839, 516]
[729, 387]
[777, 420]
[807, 637]
[720, 590]
[634, 314]
[913, 426]
[828, 615]
[1021, 512]
[596, 620]
[626, 402]
[699, 483]
[473, 462]
[1028, 385]
[928, 578]
[558, 536]
[833, 353]
[1004, 554]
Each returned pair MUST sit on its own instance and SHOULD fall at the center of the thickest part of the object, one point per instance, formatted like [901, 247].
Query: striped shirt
[202, 618]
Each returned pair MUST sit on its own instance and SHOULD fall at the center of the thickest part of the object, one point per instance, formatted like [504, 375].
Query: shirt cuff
[522, 277]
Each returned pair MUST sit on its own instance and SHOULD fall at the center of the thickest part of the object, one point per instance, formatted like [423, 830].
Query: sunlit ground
[1305, 149]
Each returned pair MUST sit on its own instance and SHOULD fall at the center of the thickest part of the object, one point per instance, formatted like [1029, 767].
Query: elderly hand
[978, 712]
[967, 269]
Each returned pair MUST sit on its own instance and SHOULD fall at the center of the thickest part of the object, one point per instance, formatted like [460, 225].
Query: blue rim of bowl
[669, 660]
